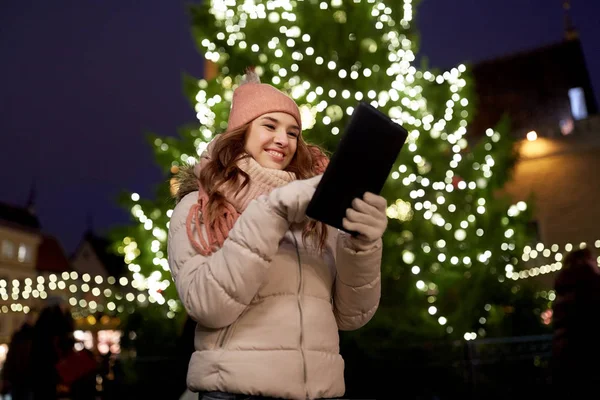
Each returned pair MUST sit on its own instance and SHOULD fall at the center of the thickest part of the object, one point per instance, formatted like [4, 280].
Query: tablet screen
[361, 163]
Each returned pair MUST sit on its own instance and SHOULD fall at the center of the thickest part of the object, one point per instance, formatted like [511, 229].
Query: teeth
[275, 153]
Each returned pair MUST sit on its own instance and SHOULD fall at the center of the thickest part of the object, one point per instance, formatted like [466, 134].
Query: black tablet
[361, 163]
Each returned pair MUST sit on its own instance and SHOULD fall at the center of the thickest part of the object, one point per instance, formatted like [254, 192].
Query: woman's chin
[272, 164]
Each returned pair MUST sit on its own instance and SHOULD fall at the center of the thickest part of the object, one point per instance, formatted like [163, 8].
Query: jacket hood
[187, 182]
[187, 177]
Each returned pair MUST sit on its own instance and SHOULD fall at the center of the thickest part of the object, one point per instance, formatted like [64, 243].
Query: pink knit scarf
[262, 181]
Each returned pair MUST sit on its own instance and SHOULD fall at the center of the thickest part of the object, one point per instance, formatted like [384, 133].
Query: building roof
[532, 87]
[51, 256]
[113, 263]
[18, 217]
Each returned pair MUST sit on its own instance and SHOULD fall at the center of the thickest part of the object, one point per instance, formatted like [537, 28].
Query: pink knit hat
[252, 99]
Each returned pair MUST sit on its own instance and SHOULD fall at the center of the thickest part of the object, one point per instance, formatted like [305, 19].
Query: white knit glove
[290, 201]
[367, 217]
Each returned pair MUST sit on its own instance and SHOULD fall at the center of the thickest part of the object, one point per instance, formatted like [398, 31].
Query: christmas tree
[452, 238]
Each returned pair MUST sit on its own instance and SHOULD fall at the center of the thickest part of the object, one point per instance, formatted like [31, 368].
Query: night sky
[82, 82]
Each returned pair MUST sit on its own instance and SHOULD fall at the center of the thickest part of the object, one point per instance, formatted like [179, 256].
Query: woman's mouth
[276, 155]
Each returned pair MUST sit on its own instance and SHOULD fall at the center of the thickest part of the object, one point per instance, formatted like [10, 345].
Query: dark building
[545, 90]
[93, 256]
[548, 90]
[26, 254]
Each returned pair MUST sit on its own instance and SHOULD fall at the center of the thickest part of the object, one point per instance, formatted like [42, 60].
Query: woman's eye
[293, 134]
[271, 127]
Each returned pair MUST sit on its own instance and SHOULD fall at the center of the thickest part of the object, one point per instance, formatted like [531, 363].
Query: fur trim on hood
[186, 181]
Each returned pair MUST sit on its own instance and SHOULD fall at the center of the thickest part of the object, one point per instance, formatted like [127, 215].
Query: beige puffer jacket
[268, 308]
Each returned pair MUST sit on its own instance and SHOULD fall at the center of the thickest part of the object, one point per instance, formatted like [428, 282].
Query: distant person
[268, 288]
[575, 345]
[52, 338]
[16, 372]
[57, 369]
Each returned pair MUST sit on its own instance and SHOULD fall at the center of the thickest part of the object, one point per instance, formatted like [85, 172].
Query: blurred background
[102, 102]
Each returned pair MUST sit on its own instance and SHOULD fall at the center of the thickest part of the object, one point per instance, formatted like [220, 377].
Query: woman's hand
[367, 217]
[291, 200]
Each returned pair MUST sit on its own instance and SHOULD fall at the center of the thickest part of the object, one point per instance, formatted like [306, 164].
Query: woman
[269, 289]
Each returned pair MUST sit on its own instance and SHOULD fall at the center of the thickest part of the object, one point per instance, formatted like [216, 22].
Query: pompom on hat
[251, 99]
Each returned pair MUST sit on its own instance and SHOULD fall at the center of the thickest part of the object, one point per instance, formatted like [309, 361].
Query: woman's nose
[281, 138]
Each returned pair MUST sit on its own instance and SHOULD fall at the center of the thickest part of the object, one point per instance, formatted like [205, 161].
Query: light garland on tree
[156, 282]
[401, 56]
[402, 91]
[429, 199]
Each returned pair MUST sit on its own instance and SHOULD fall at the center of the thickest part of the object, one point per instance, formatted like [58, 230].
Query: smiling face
[272, 140]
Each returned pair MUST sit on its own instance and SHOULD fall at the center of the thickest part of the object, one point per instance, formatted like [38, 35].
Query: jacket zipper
[299, 297]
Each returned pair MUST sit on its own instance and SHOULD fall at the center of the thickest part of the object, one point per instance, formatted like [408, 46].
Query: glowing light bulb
[532, 135]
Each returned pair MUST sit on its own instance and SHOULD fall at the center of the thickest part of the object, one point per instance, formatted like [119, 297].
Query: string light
[545, 253]
[86, 293]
